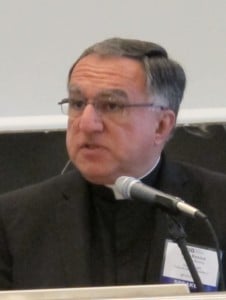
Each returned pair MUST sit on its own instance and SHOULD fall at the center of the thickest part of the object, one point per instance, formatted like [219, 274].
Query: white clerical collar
[118, 195]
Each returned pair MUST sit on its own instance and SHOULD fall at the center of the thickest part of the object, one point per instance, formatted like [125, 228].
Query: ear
[165, 125]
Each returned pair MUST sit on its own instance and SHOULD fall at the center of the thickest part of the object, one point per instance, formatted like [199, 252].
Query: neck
[115, 190]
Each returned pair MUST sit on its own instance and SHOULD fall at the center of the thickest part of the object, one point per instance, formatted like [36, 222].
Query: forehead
[103, 72]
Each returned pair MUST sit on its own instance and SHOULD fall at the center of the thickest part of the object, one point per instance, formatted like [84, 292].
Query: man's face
[104, 147]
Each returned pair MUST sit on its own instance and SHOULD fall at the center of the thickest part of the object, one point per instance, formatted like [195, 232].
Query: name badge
[175, 269]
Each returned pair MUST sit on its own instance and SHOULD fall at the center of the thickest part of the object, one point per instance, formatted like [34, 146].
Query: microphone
[134, 189]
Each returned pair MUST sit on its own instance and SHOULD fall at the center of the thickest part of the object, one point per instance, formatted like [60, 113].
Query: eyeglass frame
[122, 106]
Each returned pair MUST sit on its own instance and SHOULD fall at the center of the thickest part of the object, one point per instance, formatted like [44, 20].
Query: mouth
[92, 151]
[90, 146]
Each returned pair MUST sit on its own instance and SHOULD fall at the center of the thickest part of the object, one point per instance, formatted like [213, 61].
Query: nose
[90, 121]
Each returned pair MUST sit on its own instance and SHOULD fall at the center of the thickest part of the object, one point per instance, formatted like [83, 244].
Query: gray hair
[165, 78]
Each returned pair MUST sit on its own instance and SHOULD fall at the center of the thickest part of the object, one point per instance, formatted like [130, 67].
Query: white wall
[40, 39]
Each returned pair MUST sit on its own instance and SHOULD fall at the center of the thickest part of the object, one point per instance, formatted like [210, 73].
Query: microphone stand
[177, 233]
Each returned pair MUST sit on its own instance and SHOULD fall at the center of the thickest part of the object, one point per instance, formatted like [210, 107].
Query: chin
[96, 173]
[98, 178]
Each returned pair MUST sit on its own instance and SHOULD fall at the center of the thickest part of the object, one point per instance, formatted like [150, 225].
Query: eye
[77, 104]
[112, 106]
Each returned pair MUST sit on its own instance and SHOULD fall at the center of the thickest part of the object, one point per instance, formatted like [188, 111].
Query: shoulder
[199, 186]
[47, 191]
[201, 174]
[192, 183]
[193, 172]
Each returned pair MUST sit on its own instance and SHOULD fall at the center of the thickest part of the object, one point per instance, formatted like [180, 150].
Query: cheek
[144, 134]
[69, 144]
[135, 139]
[71, 137]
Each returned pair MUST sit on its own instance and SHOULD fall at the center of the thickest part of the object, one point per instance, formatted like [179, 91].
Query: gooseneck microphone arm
[178, 234]
[132, 188]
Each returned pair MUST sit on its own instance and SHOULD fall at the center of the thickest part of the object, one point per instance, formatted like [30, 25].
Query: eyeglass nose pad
[94, 107]
[90, 121]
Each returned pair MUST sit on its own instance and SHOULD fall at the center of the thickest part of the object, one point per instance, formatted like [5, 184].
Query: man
[71, 230]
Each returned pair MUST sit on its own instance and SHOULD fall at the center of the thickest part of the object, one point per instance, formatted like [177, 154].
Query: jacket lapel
[73, 215]
[172, 180]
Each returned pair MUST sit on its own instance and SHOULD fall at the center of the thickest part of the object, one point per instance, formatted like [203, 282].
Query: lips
[89, 146]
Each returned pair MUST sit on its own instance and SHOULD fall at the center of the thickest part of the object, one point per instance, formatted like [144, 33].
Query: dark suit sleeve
[5, 261]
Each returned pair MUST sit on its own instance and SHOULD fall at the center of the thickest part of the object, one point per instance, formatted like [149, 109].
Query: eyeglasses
[111, 108]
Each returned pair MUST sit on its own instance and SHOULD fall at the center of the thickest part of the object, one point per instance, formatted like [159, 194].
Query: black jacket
[45, 230]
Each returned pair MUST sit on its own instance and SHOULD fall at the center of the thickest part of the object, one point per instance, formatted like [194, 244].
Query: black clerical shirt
[123, 238]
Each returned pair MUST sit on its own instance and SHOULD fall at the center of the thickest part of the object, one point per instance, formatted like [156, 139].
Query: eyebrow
[116, 92]
[75, 89]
